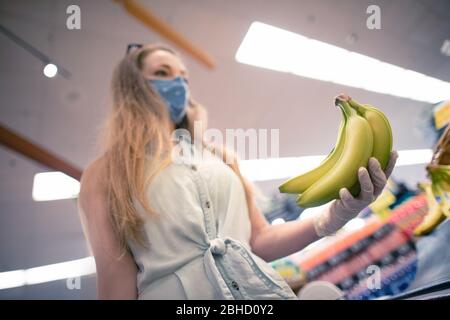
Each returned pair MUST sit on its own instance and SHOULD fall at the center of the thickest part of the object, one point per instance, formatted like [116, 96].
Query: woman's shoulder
[93, 179]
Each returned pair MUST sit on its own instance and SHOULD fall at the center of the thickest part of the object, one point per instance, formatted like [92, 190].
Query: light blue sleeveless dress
[199, 242]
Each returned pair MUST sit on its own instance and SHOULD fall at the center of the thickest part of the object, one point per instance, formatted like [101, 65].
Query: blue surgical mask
[175, 93]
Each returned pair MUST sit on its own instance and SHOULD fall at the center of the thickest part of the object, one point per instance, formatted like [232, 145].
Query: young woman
[185, 228]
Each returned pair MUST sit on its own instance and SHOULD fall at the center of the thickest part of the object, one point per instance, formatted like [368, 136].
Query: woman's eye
[161, 73]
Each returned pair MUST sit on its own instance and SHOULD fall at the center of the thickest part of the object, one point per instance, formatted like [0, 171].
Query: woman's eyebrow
[166, 66]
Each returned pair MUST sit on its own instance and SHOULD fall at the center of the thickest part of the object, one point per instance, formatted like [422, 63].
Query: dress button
[234, 285]
[208, 205]
[194, 167]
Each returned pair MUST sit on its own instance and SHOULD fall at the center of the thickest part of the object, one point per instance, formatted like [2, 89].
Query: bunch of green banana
[440, 175]
[364, 132]
[440, 179]
[435, 213]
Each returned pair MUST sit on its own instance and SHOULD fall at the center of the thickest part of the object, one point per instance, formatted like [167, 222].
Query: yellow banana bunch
[435, 213]
[364, 132]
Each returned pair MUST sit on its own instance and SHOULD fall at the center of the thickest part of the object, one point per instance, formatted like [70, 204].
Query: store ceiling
[65, 115]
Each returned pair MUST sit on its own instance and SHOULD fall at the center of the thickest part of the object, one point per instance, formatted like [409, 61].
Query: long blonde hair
[138, 144]
[137, 141]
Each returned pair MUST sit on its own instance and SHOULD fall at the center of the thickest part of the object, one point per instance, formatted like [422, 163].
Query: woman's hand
[372, 183]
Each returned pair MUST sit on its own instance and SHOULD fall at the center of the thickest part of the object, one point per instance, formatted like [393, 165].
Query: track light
[50, 70]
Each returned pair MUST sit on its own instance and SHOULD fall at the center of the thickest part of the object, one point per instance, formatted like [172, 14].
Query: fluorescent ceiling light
[412, 157]
[283, 168]
[12, 279]
[57, 271]
[273, 48]
[54, 186]
[277, 168]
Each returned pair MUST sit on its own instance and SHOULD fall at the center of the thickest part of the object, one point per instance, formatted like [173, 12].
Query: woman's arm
[271, 242]
[116, 272]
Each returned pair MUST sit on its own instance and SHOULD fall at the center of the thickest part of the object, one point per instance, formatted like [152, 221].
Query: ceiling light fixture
[54, 185]
[48, 273]
[277, 49]
[50, 70]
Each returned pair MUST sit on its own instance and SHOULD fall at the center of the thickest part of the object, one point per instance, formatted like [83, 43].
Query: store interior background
[64, 115]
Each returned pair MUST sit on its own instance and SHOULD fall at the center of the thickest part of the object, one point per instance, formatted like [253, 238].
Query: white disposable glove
[347, 207]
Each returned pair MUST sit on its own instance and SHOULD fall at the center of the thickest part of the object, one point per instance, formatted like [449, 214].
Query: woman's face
[162, 64]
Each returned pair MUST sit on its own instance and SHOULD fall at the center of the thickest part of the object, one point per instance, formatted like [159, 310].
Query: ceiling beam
[148, 18]
[37, 153]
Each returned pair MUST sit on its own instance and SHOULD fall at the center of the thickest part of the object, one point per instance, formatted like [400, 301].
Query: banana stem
[359, 108]
[345, 107]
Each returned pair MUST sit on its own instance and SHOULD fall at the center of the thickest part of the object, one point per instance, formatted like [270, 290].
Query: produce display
[348, 258]
[364, 132]
[438, 189]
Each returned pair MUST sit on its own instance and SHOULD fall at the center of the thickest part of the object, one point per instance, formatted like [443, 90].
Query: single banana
[446, 205]
[381, 128]
[440, 174]
[444, 202]
[434, 216]
[357, 150]
[302, 182]
[440, 179]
